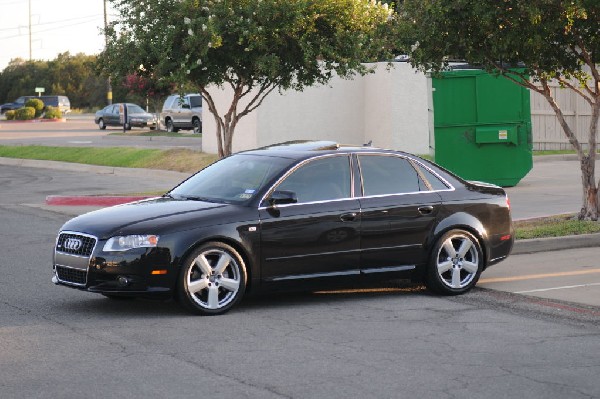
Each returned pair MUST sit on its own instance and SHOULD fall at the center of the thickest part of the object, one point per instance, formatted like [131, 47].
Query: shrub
[10, 115]
[25, 113]
[36, 104]
[52, 113]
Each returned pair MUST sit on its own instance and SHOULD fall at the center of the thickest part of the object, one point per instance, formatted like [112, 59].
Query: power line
[53, 22]
[48, 30]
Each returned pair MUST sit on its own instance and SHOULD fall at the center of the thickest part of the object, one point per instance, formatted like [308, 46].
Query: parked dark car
[288, 217]
[136, 117]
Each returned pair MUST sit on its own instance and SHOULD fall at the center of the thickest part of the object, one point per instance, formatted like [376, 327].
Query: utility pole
[108, 84]
[30, 55]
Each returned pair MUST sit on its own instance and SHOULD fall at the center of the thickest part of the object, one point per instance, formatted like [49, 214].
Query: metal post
[30, 55]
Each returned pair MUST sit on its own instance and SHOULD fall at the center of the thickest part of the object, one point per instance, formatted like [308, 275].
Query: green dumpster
[482, 126]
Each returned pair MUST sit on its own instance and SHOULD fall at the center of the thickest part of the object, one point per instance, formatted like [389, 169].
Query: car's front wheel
[455, 264]
[213, 279]
[101, 124]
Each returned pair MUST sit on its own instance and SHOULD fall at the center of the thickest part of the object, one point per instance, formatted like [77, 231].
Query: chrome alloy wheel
[213, 280]
[458, 261]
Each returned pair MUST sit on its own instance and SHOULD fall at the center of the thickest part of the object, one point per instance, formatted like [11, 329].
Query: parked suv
[182, 112]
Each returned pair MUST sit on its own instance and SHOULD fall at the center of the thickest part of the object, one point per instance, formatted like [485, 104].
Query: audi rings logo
[74, 244]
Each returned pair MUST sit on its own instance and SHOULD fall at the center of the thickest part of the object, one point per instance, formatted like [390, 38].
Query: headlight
[123, 243]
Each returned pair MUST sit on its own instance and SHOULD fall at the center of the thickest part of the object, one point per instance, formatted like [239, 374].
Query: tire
[170, 127]
[197, 126]
[455, 263]
[212, 280]
[101, 124]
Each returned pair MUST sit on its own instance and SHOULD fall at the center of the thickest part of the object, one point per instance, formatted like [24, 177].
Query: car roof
[301, 149]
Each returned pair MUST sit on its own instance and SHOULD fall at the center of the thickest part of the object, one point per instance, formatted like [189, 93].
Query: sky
[57, 26]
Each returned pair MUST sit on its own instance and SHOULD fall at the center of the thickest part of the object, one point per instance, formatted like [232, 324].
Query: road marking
[557, 288]
[535, 276]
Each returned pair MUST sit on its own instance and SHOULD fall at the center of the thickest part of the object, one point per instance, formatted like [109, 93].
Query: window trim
[298, 166]
[414, 163]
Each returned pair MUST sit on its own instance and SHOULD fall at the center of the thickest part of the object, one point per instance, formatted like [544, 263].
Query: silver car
[182, 112]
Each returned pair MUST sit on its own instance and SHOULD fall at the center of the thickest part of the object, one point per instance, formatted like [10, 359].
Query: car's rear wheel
[456, 263]
[170, 126]
[197, 125]
[101, 124]
[213, 279]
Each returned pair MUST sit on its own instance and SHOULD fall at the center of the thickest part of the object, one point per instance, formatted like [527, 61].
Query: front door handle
[425, 210]
[348, 217]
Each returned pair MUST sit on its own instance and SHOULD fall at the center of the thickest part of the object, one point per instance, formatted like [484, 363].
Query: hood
[153, 216]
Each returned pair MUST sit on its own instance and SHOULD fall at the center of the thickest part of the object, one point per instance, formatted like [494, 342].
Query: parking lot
[530, 330]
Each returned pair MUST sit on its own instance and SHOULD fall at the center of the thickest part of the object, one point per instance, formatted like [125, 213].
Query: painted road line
[557, 288]
[536, 276]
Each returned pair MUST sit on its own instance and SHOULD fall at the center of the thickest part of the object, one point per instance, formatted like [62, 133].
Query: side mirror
[282, 197]
[185, 106]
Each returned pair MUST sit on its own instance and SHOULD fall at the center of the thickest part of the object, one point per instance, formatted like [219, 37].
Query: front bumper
[142, 271]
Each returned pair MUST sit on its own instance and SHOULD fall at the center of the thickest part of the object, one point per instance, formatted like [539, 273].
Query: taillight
[507, 202]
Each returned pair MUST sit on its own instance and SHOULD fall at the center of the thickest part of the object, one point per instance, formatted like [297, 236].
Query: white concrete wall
[388, 107]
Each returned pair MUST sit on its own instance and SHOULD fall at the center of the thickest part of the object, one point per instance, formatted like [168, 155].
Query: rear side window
[195, 101]
[434, 181]
[382, 175]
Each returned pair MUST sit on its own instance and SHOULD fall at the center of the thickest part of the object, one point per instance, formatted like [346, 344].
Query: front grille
[75, 244]
[72, 276]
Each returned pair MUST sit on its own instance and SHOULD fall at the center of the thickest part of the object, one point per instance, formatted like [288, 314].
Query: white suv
[182, 112]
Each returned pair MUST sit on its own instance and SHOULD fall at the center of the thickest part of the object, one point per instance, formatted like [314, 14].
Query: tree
[251, 46]
[550, 39]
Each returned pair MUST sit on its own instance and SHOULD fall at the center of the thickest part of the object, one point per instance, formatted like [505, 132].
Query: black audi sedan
[288, 216]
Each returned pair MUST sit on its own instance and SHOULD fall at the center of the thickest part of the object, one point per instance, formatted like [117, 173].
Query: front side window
[383, 175]
[320, 180]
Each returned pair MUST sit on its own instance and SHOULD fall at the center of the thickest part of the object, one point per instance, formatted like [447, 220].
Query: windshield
[235, 179]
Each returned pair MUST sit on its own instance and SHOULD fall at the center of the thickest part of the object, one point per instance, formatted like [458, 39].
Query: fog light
[123, 281]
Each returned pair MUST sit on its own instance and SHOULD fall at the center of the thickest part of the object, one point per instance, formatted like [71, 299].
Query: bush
[36, 104]
[52, 113]
[10, 115]
[25, 113]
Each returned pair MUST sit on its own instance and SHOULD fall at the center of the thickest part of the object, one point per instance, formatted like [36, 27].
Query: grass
[554, 226]
[180, 160]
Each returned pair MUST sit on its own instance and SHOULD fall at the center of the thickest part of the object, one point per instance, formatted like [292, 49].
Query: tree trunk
[589, 209]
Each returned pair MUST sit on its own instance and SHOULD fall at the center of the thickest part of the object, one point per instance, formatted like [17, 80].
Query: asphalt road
[392, 342]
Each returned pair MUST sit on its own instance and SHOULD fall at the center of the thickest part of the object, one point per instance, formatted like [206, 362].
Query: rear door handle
[348, 217]
[425, 210]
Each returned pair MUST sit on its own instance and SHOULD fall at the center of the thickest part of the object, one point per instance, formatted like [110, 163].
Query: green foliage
[71, 75]
[52, 113]
[244, 44]
[10, 115]
[25, 113]
[37, 105]
[548, 37]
